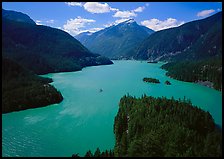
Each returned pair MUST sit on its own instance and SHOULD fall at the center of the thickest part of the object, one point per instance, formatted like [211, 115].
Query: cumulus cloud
[139, 9]
[116, 22]
[205, 13]
[74, 26]
[96, 7]
[92, 30]
[128, 14]
[114, 9]
[93, 7]
[124, 14]
[38, 22]
[50, 21]
[74, 4]
[156, 24]
[45, 22]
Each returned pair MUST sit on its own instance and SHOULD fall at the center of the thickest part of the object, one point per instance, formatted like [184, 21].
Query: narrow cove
[84, 119]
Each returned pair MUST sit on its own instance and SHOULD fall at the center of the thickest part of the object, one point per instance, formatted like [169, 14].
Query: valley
[111, 79]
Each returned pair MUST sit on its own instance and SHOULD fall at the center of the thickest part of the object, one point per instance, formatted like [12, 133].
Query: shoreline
[205, 83]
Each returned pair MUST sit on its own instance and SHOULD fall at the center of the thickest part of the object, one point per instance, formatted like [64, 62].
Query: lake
[84, 119]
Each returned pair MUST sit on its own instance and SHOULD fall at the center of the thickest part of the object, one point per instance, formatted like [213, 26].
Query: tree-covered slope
[192, 71]
[191, 41]
[44, 49]
[161, 127]
[117, 41]
[21, 89]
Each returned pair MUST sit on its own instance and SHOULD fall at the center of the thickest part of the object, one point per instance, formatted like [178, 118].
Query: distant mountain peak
[117, 41]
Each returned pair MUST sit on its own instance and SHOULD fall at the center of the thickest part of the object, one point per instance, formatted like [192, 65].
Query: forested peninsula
[162, 127]
[22, 89]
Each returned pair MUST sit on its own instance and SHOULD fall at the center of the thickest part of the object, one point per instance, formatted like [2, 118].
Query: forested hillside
[161, 127]
[193, 71]
[191, 41]
[21, 89]
[43, 49]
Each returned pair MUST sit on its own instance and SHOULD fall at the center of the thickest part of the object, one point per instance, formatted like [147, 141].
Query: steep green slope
[161, 127]
[192, 41]
[44, 49]
[116, 41]
[21, 89]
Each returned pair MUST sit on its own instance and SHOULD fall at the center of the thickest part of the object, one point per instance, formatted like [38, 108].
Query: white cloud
[205, 13]
[74, 4]
[50, 21]
[45, 22]
[139, 9]
[93, 7]
[108, 25]
[38, 22]
[74, 26]
[116, 22]
[124, 14]
[114, 9]
[120, 21]
[96, 7]
[92, 30]
[147, 4]
[218, 9]
[156, 24]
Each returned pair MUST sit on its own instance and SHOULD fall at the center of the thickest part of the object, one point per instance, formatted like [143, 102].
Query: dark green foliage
[75, 155]
[167, 83]
[88, 154]
[151, 80]
[191, 41]
[21, 89]
[97, 153]
[159, 127]
[193, 71]
[44, 49]
[116, 41]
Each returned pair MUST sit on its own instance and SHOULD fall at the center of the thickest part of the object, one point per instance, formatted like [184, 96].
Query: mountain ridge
[116, 41]
[17, 16]
[181, 41]
[43, 49]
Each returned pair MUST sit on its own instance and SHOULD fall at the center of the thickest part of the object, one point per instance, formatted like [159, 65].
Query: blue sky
[77, 17]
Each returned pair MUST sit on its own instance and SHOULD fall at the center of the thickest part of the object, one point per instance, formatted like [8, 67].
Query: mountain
[191, 41]
[117, 41]
[43, 49]
[21, 89]
[83, 36]
[17, 16]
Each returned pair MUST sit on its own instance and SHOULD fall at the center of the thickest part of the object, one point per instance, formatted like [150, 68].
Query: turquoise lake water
[84, 119]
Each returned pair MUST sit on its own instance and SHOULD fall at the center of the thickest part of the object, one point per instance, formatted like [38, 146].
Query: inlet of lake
[84, 119]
